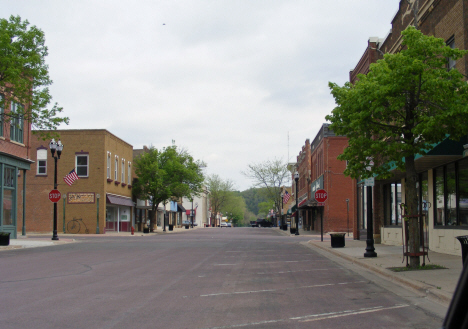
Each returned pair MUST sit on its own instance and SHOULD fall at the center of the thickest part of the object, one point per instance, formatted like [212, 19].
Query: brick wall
[95, 143]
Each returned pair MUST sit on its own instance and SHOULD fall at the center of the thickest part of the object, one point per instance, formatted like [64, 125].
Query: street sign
[369, 181]
[321, 196]
[54, 196]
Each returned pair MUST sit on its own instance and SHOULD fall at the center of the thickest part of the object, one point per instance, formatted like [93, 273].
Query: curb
[429, 291]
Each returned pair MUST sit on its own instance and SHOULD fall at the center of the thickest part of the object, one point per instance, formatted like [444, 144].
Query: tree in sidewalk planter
[271, 175]
[408, 102]
[166, 174]
[220, 193]
[24, 76]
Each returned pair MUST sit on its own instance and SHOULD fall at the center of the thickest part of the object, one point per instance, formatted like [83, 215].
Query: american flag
[71, 177]
[286, 197]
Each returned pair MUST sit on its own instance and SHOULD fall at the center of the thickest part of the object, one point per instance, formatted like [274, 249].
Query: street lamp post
[281, 212]
[55, 146]
[296, 179]
[192, 213]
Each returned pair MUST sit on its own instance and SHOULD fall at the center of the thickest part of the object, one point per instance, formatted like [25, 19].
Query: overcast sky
[227, 80]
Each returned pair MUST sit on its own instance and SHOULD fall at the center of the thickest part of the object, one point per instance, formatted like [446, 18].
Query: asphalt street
[203, 278]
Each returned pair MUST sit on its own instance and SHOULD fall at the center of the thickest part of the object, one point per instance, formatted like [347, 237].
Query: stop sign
[54, 195]
[321, 195]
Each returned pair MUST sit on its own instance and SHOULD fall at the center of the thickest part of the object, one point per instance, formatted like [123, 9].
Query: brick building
[103, 163]
[15, 161]
[322, 170]
[443, 208]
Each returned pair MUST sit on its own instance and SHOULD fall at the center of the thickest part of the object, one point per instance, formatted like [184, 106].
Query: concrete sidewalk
[438, 284]
[35, 240]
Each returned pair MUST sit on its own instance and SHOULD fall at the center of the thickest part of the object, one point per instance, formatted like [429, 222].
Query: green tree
[24, 75]
[220, 193]
[234, 207]
[166, 174]
[271, 175]
[405, 104]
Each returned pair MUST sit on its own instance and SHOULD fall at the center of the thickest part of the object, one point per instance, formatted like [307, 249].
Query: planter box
[337, 240]
[5, 240]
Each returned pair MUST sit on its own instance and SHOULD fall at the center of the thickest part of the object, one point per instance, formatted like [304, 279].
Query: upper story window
[16, 122]
[82, 165]
[108, 165]
[41, 162]
[451, 62]
[122, 174]
[116, 169]
[129, 173]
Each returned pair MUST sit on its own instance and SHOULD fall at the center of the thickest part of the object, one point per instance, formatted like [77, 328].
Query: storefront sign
[80, 197]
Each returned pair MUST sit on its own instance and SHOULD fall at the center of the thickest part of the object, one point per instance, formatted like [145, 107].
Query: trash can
[464, 247]
[337, 240]
[187, 227]
[4, 238]
[292, 230]
[146, 230]
[171, 227]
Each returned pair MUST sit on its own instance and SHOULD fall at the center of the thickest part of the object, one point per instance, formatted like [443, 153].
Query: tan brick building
[100, 200]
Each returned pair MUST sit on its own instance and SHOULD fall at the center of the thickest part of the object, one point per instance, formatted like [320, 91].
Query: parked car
[229, 225]
[224, 224]
[186, 222]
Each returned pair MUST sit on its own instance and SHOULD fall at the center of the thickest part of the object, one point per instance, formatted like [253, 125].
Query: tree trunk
[154, 209]
[411, 202]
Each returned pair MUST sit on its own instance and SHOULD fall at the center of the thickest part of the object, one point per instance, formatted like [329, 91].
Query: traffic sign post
[321, 196]
[55, 196]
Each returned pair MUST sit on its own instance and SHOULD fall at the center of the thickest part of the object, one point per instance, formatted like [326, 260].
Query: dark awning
[119, 200]
[180, 208]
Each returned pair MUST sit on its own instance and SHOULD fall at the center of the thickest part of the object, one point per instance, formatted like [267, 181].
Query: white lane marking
[283, 272]
[225, 264]
[246, 324]
[316, 317]
[272, 290]
[347, 313]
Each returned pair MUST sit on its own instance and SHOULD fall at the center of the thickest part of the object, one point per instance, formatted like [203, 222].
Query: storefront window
[9, 187]
[451, 194]
[439, 192]
[463, 192]
[7, 207]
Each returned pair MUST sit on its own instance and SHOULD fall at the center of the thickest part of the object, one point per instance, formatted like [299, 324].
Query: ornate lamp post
[55, 146]
[296, 179]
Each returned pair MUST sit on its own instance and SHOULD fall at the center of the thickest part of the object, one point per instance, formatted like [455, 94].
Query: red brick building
[15, 161]
[445, 217]
[322, 170]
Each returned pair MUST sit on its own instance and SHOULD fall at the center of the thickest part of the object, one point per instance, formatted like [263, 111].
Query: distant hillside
[254, 196]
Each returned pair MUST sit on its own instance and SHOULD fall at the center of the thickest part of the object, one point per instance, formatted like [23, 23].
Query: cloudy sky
[235, 82]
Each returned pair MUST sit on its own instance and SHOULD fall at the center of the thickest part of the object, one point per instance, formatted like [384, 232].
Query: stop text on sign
[55, 195]
[321, 195]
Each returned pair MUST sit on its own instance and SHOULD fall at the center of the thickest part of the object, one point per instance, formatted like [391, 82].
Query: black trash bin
[464, 246]
[337, 240]
[187, 227]
[146, 230]
[171, 227]
[4, 238]
[285, 227]
[292, 230]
